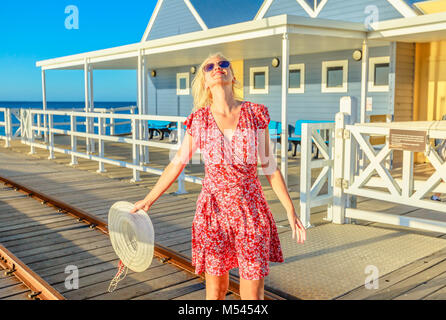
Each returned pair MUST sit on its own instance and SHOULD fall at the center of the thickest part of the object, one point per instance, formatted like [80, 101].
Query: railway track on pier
[48, 241]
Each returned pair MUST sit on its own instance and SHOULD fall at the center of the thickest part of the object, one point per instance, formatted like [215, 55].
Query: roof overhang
[424, 28]
[247, 40]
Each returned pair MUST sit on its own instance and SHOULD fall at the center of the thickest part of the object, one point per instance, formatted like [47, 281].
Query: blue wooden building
[325, 49]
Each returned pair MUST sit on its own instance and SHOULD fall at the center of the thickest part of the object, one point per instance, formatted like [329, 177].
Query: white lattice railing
[375, 180]
[318, 136]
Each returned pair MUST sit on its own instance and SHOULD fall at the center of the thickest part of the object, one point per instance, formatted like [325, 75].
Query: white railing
[317, 135]
[109, 124]
[31, 126]
[376, 181]
[6, 125]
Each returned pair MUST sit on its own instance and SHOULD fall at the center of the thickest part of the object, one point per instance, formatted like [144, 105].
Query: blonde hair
[203, 96]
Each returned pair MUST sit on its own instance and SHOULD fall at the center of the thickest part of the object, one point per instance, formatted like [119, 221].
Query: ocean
[125, 128]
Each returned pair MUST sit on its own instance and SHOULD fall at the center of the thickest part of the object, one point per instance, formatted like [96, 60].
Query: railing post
[101, 144]
[22, 125]
[350, 162]
[73, 124]
[8, 128]
[135, 150]
[112, 123]
[51, 136]
[39, 133]
[408, 181]
[339, 198]
[305, 175]
[30, 134]
[331, 137]
[181, 181]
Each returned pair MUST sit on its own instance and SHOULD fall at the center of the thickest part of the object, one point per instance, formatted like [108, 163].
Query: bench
[297, 138]
[161, 127]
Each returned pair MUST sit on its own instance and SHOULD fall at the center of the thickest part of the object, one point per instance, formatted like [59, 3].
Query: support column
[140, 81]
[91, 122]
[285, 85]
[87, 106]
[364, 79]
[145, 157]
[364, 92]
[45, 126]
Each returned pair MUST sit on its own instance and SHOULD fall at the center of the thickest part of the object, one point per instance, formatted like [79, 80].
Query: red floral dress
[233, 224]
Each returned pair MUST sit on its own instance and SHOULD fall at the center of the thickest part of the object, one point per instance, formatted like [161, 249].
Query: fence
[320, 136]
[376, 181]
[31, 128]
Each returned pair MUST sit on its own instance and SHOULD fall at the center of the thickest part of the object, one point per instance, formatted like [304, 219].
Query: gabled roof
[402, 6]
[206, 14]
[213, 13]
[217, 13]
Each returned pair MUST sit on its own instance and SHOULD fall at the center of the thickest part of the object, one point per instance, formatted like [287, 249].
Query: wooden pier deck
[330, 265]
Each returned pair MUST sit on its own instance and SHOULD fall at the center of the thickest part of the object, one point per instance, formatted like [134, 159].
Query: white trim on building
[312, 12]
[186, 91]
[371, 85]
[400, 5]
[336, 63]
[152, 20]
[301, 67]
[196, 15]
[253, 90]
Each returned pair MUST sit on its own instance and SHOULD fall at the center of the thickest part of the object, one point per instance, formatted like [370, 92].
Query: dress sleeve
[188, 123]
[262, 116]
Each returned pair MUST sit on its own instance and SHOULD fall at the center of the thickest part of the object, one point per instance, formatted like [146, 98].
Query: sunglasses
[210, 66]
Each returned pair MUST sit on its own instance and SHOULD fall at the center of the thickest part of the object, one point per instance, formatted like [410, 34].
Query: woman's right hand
[141, 205]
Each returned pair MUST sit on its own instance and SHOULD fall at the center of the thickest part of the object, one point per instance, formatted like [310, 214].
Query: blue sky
[35, 30]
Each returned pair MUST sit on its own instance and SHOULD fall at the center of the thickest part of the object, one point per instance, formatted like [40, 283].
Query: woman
[233, 225]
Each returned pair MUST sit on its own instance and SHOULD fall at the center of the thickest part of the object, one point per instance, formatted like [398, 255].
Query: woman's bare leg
[252, 289]
[216, 286]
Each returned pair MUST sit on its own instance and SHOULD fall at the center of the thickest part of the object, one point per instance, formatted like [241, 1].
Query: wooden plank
[70, 259]
[41, 232]
[30, 230]
[85, 240]
[60, 253]
[175, 291]
[144, 287]
[425, 289]
[16, 289]
[401, 280]
[195, 295]
[96, 285]
[34, 241]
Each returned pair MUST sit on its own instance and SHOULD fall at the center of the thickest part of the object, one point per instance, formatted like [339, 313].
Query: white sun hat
[132, 236]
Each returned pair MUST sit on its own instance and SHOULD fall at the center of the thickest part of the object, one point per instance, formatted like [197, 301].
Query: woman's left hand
[299, 232]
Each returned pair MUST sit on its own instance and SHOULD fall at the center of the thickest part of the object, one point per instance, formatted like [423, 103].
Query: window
[334, 76]
[296, 78]
[183, 87]
[312, 7]
[258, 80]
[379, 68]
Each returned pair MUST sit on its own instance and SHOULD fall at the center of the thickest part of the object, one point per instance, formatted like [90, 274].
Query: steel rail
[40, 289]
[164, 254]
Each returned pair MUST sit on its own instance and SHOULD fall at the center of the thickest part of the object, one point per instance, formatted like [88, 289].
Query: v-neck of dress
[238, 123]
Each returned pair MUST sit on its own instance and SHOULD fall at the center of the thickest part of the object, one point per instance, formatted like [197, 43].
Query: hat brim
[132, 235]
